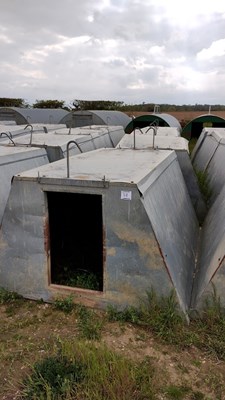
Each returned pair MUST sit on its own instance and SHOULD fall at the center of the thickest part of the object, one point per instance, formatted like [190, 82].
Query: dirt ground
[29, 330]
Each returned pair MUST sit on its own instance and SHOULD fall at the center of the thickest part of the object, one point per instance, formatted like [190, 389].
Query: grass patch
[83, 371]
[129, 314]
[79, 278]
[204, 186]
[88, 321]
[8, 297]
[160, 314]
[72, 362]
[90, 324]
[53, 378]
[191, 144]
[64, 304]
[176, 392]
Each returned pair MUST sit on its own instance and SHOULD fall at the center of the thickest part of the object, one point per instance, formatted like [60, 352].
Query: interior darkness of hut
[76, 239]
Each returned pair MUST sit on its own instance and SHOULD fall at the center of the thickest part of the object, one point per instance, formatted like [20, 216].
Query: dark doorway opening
[196, 129]
[76, 239]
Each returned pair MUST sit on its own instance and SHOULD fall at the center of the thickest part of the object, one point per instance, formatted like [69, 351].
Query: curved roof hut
[157, 119]
[95, 117]
[24, 116]
[195, 127]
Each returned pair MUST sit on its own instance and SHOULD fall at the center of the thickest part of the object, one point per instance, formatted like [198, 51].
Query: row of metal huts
[120, 210]
[73, 119]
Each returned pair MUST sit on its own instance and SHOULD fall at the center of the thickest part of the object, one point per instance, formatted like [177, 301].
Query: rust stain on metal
[103, 246]
[46, 236]
[47, 247]
[111, 251]
[82, 177]
[221, 262]
[104, 255]
[146, 242]
[162, 255]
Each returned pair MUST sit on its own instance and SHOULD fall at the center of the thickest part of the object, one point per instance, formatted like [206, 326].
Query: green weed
[129, 314]
[64, 304]
[79, 278]
[176, 392]
[210, 327]
[89, 323]
[204, 186]
[161, 314]
[198, 396]
[7, 297]
[191, 144]
[53, 378]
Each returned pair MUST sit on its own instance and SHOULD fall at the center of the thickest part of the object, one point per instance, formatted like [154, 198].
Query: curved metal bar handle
[154, 128]
[9, 136]
[67, 154]
[31, 132]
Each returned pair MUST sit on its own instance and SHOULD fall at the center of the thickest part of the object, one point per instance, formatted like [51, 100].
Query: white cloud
[130, 50]
[217, 49]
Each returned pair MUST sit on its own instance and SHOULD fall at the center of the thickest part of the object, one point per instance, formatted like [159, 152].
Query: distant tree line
[106, 105]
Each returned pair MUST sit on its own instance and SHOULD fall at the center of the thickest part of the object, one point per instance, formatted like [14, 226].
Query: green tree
[97, 105]
[49, 104]
[12, 102]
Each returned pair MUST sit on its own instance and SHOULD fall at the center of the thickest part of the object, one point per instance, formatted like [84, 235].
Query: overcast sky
[157, 51]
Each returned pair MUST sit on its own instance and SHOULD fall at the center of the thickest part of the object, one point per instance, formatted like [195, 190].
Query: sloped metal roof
[146, 142]
[115, 165]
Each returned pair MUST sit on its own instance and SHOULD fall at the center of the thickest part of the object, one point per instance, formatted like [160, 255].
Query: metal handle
[31, 132]
[67, 154]
[9, 136]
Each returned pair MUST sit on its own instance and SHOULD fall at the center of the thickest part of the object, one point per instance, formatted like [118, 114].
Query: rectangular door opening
[76, 239]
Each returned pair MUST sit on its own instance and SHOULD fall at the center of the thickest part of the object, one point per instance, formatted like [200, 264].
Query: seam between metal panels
[23, 159]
